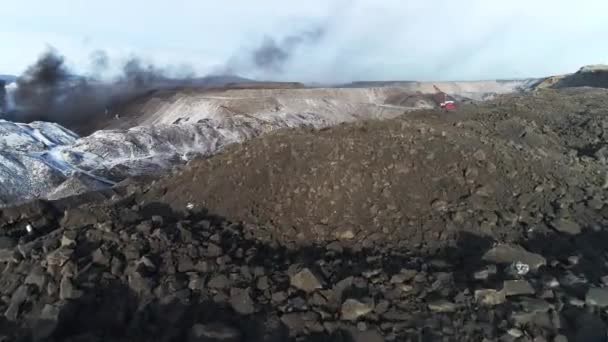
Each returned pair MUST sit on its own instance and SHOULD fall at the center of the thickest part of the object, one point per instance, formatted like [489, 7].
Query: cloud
[362, 39]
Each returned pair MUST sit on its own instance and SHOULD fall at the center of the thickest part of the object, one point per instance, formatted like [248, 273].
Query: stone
[484, 191]
[480, 155]
[59, 256]
[352, 309]
[196, 283]
[213, 250]
[442, 306]
[341, 286]
[145, 227]
[278, 297]
[294, 322]
[535, 305]
[335, 247]
[219, 282]
[576, 302]
[185, 263]
[68, 239]
[51, 289]
[547, 294]
[567, 226]
[440, 205]
[262, 283]
[214, 332]
[382, 306]
[298, 303]
[241, 301]
[67, 290]
[344, 233]
[560, 338]
[515, 332]
[117, 266]
[597, 297]
[8, 256]
[107, 226]
[509, 254]
[78, 217]
[369, 335]
[37, 277]
[145, 263]
[471, 173]
[518, 268]
[101, 258]
[17, 299]
[550, 282]
[396, 315]
[318, 300]
[140, 284]
[297, 322]
[371, 273]
[595, 203]
[408, 274]
[517, 288]
[398, 278]
[305, 280]
[70, 269]
[485, 273]
[7, 242]
[489, 297]
[574, 259]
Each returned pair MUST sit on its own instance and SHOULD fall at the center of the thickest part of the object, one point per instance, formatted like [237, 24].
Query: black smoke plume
[272, 55]
[3, 99]
[48, 91]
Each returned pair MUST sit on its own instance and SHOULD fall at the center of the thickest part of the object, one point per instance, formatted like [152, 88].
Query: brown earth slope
[494, 169]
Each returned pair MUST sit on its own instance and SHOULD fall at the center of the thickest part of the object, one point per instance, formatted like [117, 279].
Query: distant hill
[588, 76]
[8, 78]
[219, 80]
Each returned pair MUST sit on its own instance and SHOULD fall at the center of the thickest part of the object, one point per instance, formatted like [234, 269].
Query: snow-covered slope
[29, 165]
[46, 160]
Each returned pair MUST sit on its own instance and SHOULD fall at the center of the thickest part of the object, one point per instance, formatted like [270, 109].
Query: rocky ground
[484, 224]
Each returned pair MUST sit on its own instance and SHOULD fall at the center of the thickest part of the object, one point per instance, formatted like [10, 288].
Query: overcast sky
[361, 40]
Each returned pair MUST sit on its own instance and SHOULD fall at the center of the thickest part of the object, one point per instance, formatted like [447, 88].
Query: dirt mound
[363, 99]
[123, 270]
[485, 223]
[590, 76]
[413, 181]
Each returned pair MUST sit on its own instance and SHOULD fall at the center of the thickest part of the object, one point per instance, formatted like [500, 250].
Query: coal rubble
[117, 271]
[486, 226]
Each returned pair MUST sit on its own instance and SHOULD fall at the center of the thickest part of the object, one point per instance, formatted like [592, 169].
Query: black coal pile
[123, 270]
[590, 76]
[495, 230]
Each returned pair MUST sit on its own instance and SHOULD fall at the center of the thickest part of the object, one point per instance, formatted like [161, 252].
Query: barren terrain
[484, 223]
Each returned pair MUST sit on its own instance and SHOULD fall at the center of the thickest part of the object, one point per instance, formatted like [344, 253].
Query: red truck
[444, 100]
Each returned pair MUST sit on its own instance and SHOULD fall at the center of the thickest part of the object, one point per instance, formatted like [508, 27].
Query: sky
[359, 40]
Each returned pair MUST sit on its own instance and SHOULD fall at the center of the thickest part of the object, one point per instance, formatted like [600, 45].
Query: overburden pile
[485, 223]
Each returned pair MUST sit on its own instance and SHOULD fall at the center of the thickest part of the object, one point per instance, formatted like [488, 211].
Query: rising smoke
[272, 55]
[48, 91]
[3, 99]
[269, 59]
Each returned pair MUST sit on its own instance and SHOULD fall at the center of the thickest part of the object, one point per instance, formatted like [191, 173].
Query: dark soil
[482, 224]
